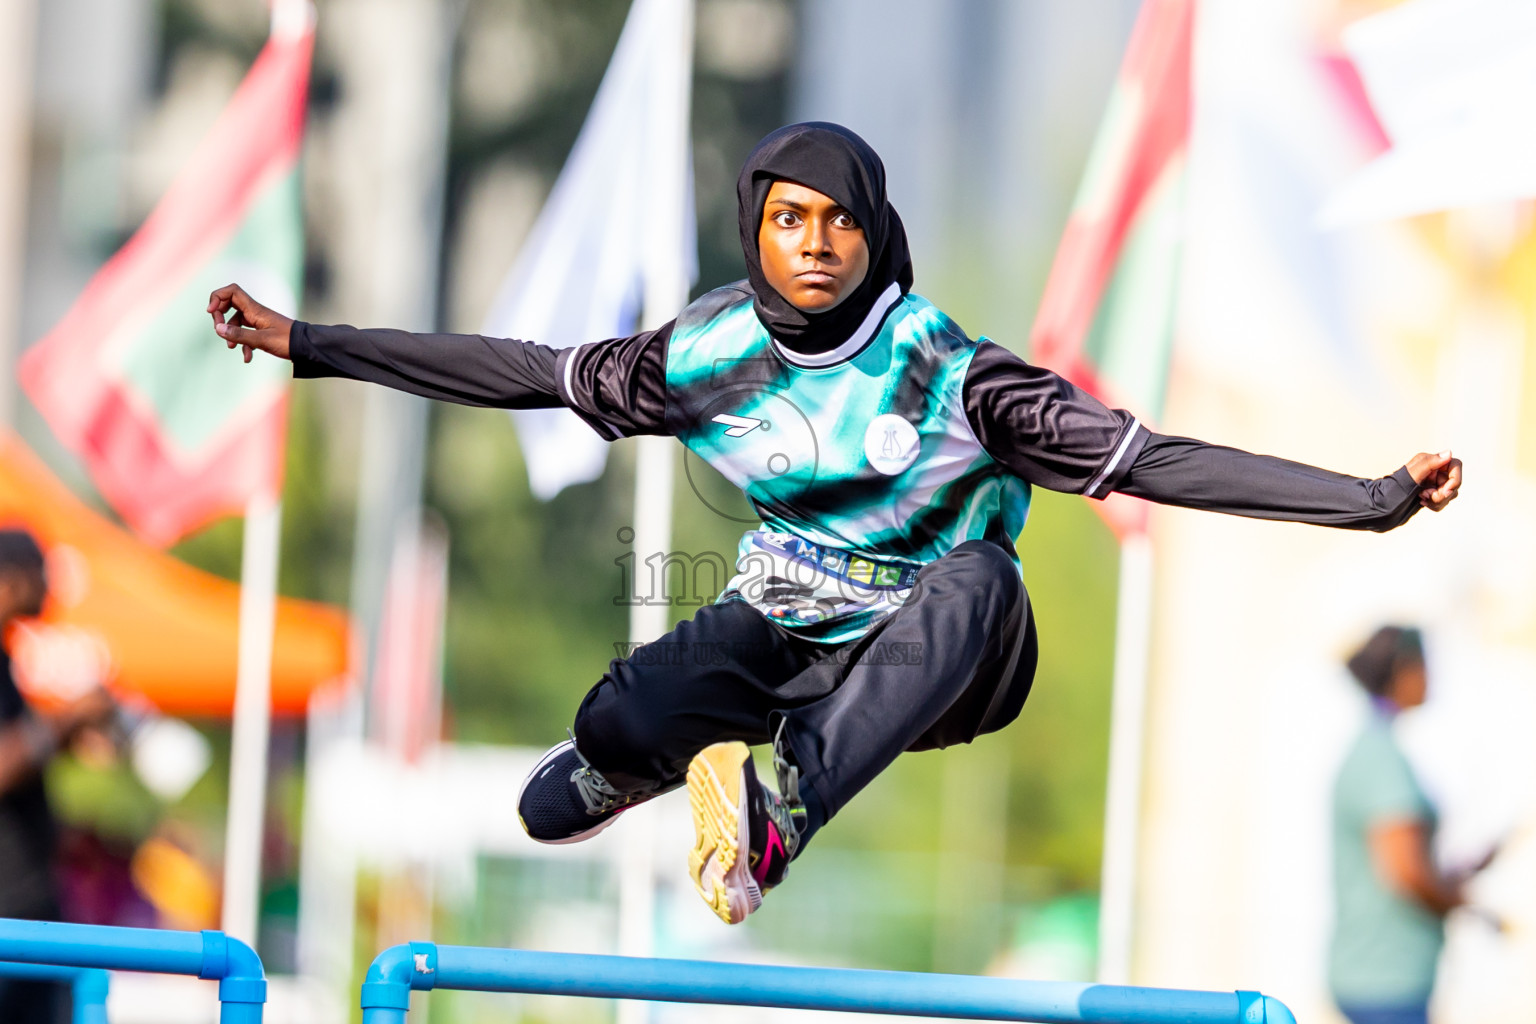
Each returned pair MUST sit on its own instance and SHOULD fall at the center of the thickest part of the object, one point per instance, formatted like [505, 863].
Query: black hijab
[837, 163]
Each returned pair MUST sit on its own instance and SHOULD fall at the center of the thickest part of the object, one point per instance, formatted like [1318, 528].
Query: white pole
[252, 719]
[1122, 804]
[666, 292]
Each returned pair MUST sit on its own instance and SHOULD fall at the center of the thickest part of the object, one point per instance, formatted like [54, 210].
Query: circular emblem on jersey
[890, 443]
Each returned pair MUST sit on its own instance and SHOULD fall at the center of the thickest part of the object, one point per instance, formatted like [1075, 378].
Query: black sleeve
[617, 386]
[1045, 429]
[469, 369]
[1193, 474]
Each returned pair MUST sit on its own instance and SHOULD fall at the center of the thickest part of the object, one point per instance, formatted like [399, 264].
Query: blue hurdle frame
[423, 966]
[88, 987]
[209, 955]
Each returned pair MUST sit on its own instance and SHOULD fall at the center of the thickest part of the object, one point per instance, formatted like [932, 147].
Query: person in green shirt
[1390, 901]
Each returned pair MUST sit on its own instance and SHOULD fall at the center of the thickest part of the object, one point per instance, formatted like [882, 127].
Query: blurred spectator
[28, 740]
[1390, 901]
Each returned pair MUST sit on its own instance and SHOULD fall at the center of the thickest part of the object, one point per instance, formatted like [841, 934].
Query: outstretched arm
[465, 368]
[1046, 430]
[1193, 474]
[617, 386]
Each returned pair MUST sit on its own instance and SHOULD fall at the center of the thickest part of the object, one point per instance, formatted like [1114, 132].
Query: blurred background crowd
[1349, 277]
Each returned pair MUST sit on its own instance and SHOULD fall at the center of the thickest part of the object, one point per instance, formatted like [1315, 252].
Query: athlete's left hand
[1438, 477]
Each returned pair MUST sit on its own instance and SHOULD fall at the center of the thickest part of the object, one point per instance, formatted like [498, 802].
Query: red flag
[175, 430]
[1106, 319]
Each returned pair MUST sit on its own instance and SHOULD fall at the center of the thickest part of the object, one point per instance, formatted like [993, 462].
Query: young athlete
[879, 607]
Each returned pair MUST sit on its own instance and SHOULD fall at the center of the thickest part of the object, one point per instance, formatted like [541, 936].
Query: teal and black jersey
[860, 461]
[866, 461]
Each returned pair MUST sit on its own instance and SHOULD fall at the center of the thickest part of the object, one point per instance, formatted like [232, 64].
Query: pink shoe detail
[773, 850]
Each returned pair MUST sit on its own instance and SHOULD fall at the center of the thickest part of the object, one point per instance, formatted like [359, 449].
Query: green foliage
[531, 615]
[215, 549]
[107, 798]
[1060, 747]
[315, 554]
[315, 561]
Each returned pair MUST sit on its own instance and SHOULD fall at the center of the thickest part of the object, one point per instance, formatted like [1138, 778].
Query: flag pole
[251, 726]
[666, 292]
[1122, 803]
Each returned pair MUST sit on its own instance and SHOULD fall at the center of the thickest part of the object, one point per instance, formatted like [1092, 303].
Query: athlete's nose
[816, 244]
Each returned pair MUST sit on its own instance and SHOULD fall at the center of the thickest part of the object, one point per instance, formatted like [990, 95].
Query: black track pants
[952, 663]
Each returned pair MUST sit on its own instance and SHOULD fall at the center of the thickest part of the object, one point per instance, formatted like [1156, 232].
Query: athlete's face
[813, 253]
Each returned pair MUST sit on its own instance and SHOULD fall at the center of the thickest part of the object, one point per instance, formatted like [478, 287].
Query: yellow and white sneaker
[744, 833]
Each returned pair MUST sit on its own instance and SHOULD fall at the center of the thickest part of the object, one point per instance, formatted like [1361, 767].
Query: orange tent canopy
[129, 614]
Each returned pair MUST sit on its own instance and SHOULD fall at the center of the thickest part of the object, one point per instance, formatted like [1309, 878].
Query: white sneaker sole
[718, 861]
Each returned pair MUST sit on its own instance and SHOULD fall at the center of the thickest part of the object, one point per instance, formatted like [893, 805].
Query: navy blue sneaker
[565, 800]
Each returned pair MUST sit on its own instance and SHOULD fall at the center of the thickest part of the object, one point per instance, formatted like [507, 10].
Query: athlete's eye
[786, 218]
[845, 220]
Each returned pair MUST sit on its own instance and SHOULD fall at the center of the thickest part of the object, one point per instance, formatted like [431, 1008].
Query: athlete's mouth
[815, 277]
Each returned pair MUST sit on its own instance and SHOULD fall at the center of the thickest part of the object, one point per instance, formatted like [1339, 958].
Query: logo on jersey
[737, 425]
[890, 444]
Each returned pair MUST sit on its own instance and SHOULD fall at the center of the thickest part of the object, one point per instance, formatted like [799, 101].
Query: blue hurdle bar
[88, 986]
[422, 966]
[210, 955]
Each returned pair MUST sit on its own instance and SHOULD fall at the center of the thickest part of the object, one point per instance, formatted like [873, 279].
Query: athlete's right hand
[253, 326]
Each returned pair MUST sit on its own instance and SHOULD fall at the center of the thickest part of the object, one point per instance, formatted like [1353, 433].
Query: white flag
[582, 274]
